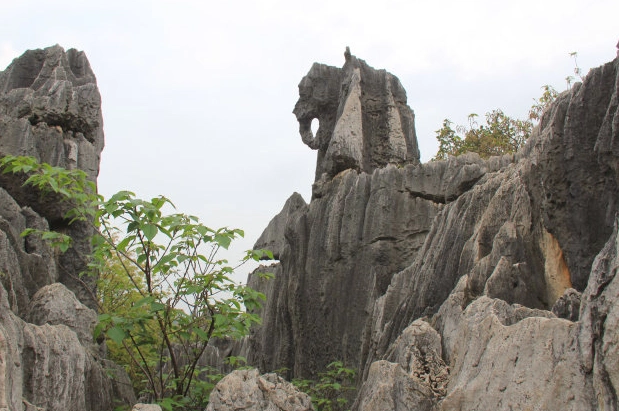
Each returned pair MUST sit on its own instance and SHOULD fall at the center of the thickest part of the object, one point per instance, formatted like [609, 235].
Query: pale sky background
[198, 95]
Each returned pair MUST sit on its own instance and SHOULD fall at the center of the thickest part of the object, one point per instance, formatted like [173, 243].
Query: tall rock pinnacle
[364, 121]
[50, 109]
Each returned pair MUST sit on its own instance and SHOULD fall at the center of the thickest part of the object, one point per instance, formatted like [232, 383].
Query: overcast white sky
[198, 95]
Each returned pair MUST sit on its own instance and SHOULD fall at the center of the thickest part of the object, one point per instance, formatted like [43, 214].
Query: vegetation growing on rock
[501, 134]
[164, 292]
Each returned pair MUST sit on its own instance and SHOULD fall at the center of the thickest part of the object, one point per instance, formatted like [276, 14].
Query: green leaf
[64, 246]
[202, 334]
[150, 231]
[223, 240]
[27, 232]
[116, 334]
[155, 306]
[104, 317]
[122, 246]
[142, 301]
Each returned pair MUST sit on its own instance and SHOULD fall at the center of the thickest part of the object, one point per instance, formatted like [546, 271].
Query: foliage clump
[328, 393]
[500, 134]
[163, 292]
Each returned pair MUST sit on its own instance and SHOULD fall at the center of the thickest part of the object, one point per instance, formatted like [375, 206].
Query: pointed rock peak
[364, 121]
[35, 68]
[273, 236]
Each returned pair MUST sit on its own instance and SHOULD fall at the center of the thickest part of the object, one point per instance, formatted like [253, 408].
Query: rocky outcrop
[48, 367]
[339, 255]
[489, 252]
[412, 376]
[247, 390]
[599, 317]
[55, 304]
[506, 356]
[50, 108]
[364, 122]
[146, 407]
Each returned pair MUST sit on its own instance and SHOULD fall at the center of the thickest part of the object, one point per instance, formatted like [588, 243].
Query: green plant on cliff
[499, 134]
[328, 393]
[117, 294]
[164, 292]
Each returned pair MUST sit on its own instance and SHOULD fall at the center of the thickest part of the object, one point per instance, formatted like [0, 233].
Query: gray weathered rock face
[50, 108]
[247, 390]
[364, 122]
[55, 304]
[339, 255]
[413, 372]
[146, 407]
[599, 318]
[511, 260]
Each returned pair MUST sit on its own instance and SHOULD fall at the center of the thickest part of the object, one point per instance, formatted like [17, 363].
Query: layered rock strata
[486, 252]
[50, 108]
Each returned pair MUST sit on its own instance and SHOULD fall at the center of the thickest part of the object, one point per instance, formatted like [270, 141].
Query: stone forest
[457, 284]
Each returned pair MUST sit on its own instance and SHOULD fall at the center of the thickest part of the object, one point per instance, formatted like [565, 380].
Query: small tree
[117, 295]
[168, 295]
[499, 135]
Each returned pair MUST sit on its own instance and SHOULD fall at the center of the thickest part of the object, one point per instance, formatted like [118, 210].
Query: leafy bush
[163, 294]
[499, 135]
[329, 392]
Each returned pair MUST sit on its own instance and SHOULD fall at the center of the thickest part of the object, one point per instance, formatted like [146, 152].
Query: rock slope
[509, 262]
[50, 108]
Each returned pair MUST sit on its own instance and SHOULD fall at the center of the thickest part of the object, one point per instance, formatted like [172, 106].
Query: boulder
[55, 304]
[146, 407]
[389, 387]
[412, 377]
[248, 390]
[506, 356]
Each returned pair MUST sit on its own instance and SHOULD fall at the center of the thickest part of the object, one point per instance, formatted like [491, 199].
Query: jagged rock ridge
[50, 108]
[487, 252]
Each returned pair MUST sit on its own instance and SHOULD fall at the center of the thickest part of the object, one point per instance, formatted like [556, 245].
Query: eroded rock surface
[510, 259]
[599, 340]
[412, 376]
[50, 108]
[339, 255]
[364, 122]
[248, 390]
